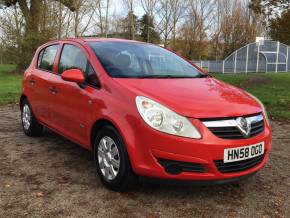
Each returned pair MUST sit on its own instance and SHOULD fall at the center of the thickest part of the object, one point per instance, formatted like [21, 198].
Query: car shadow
[80, 160]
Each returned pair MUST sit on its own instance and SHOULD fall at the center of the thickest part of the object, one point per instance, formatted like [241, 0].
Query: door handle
[32, 82]
[53, 90]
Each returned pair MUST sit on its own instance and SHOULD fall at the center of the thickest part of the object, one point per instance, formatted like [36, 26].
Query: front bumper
[147, 146]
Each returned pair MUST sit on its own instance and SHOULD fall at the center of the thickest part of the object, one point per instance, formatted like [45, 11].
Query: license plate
[243, 153]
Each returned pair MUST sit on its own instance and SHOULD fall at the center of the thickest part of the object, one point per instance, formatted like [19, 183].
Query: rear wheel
[112, 161]
[29, 123]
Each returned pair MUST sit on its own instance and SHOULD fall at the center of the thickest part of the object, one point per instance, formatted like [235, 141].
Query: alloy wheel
[108, 158]
[26, 117]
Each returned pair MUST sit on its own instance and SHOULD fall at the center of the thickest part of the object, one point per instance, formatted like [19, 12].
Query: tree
[127, 28]
[102, 21]
[269, 7]
[32, 12]
[131, 18]
[178, 10]
[147, 28]
[165, 24]
[83, 13]
[107, 18]
[236, 30]
[149, 6]
[280, 28]
[192, 42]
[192, 39]
[266, 12]
[11, 31]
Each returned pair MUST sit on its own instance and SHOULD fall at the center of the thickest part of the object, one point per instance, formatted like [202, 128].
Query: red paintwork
[73, 75]
[73, 111]
[198, 98]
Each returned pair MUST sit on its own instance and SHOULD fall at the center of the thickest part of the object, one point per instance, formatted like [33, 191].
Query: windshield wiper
[203, 76]
[156, 76]
[171, 76]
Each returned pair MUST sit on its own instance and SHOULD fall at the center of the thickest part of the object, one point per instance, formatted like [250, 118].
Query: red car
[144, 112]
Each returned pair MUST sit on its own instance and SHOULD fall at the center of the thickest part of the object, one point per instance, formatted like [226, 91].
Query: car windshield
[138, 60]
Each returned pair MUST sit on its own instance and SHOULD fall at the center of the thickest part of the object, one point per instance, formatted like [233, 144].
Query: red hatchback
[144, 112]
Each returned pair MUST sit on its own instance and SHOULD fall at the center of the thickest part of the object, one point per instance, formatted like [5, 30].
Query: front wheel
[112, 161]
[29, 123]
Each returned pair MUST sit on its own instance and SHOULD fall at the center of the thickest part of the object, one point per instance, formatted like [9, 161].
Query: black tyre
[112, 161]
[29, 123]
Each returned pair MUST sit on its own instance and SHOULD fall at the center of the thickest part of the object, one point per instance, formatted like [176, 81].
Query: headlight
[263, 108]
[165, 120]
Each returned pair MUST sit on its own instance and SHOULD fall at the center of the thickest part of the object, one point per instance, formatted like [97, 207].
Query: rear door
[40, 82]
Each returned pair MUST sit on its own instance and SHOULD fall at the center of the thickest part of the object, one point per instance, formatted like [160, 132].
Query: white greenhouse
[262, 56]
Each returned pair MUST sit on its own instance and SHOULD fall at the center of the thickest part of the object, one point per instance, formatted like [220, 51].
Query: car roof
[95, 39]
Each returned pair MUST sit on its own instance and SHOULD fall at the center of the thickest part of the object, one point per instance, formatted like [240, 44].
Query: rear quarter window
[46, 57]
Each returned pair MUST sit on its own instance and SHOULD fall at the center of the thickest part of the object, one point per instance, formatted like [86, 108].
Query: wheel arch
[124, 129]
[97, 126]
[22, 98]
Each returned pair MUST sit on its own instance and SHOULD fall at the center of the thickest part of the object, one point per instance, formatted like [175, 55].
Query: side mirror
[73, 75]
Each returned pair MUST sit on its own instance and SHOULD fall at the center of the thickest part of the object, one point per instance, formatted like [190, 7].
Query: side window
[72, 58]
[46, 57]
[40, 58]
[92, 78]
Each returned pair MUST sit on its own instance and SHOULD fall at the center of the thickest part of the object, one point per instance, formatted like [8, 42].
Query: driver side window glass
[72, 58]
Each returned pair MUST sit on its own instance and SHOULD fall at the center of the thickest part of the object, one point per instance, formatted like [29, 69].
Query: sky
[119, 8]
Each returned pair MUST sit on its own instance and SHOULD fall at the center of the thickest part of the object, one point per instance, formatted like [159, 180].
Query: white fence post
[277, 56]
[208, 64]
[236, 56]
[247, 58]
[287, 57]
[258, 56]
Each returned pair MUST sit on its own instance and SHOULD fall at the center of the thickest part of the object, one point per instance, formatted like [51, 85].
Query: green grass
[273, 89]
[6, 68]
[10, 85]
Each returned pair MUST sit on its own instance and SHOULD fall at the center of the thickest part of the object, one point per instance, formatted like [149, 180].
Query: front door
[73, 108]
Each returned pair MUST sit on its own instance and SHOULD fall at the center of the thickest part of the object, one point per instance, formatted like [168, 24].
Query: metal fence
[263, 56]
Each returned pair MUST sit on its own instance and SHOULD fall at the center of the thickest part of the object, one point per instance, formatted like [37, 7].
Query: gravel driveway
[50, 176]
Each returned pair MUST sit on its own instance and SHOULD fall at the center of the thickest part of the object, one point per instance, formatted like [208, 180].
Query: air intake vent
[177, 167]
[239, 165]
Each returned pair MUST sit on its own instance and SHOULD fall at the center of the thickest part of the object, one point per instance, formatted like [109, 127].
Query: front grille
[232, 132]
[177, 167]
[239, 165]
